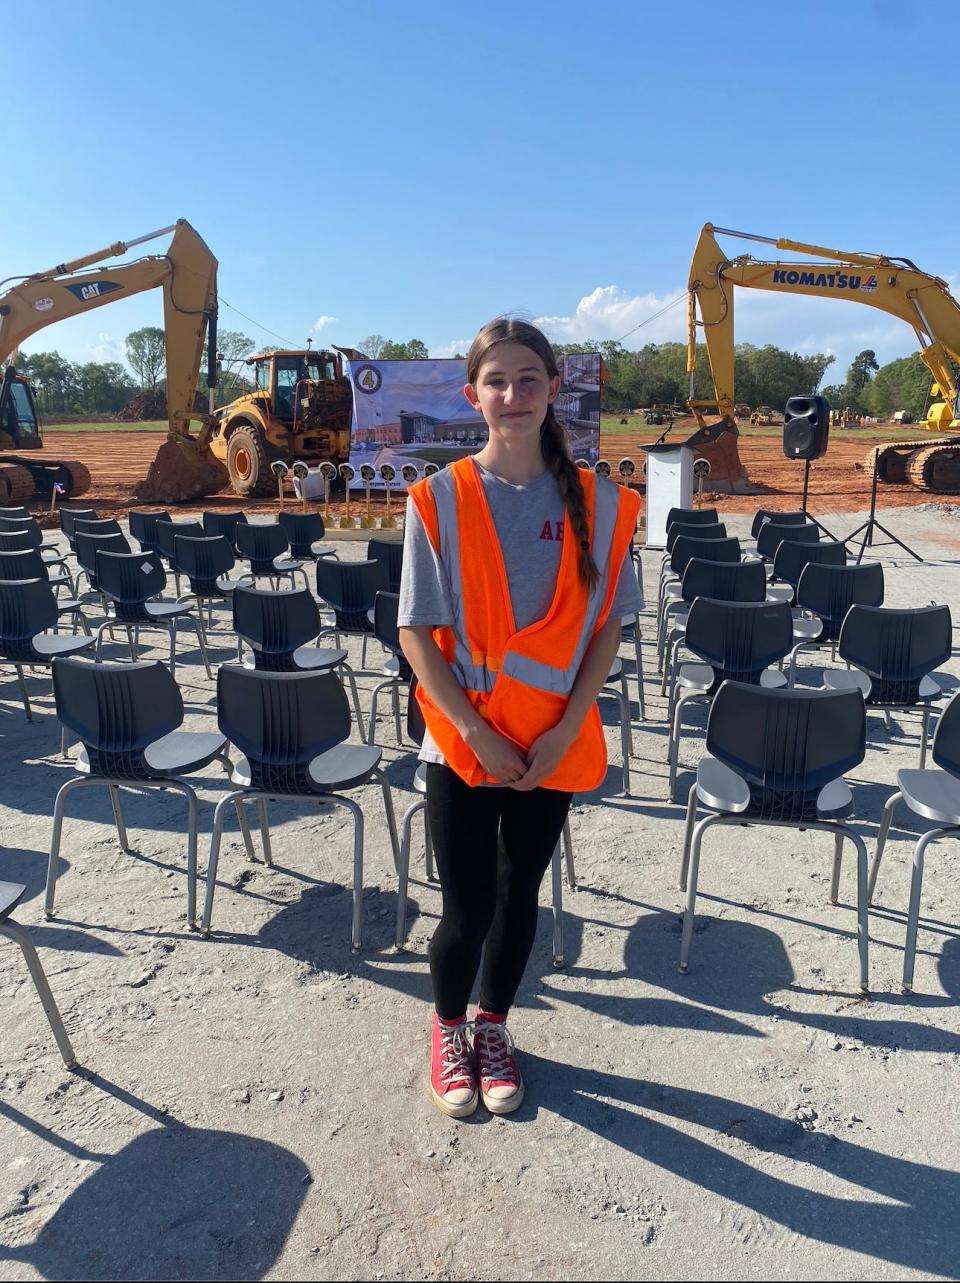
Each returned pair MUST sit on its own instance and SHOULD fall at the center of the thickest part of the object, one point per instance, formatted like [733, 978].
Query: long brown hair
[553, 440]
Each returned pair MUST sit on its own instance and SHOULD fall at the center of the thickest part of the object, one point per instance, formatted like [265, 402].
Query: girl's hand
[544, 756]
[500, 758]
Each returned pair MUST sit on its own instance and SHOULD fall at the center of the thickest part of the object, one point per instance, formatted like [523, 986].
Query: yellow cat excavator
[894, 285]
[184, 467]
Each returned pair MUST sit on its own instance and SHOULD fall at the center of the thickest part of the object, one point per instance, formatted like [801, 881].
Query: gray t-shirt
[529, 521]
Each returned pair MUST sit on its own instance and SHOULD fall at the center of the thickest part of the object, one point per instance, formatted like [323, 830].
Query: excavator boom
[893, 285]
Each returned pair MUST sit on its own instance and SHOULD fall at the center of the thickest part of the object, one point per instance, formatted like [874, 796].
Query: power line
[273, 333]
[666, 308]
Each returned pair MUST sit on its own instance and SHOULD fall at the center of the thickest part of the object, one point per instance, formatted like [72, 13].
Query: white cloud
[321, 323]
[107, 348]
[609, 313]
[446, 350]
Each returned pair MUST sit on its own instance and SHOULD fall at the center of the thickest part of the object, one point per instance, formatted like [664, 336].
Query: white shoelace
[497, 1047]
[455, 1054]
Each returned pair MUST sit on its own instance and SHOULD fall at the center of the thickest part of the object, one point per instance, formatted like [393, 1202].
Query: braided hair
[553, 440]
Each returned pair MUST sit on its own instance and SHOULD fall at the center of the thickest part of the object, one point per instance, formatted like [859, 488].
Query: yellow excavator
[184, 467]
[894, 285]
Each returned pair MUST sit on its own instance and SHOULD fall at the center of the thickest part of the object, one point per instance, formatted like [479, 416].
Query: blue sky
[415, 169]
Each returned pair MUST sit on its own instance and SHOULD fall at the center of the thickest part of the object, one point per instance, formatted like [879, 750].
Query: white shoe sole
[455, 1111]
[505, 1106]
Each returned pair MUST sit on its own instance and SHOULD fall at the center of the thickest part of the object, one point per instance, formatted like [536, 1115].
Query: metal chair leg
[23, 692]
[403, 872]
[355, 695]
[556, 877]
[185, 790]
[835, 873]
[881, 840]
[863, 909]
[428, 848]
[118, 818]
[924, 724]
[568, 848]
[913, 913]
[172, 633]
[53, 863]
[391, 818]
[396, 712]
[245, 833]
[265, 831]
[14, 931]
[363, 650]
[688, 834]
[198, 626]
[214, 858]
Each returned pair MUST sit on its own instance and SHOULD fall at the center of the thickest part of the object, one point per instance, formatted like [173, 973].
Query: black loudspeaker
[806, 427]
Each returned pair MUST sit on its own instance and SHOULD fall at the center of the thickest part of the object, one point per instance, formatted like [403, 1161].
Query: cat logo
[90, 291]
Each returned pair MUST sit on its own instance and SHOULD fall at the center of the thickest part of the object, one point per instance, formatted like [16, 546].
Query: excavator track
[23, 478]
[936, 468]
[894, 460]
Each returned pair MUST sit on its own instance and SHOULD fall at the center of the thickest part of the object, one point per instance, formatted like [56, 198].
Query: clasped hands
[507, 764]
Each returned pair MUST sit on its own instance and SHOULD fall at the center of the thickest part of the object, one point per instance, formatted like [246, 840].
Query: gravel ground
[256, 1104]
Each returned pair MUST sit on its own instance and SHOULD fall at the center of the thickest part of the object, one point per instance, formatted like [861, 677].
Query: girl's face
[512, 391]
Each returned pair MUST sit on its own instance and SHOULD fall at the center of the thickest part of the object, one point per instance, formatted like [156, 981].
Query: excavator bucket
[717, 443]
[183, 470]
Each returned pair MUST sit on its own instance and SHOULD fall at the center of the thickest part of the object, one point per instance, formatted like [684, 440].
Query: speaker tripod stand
[871, 525]
[803, 502]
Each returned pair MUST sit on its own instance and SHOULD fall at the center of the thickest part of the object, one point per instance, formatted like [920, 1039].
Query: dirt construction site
[255, 1104]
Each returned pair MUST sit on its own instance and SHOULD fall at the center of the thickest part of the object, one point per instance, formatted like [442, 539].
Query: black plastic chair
[266, 553]
[291, 728]
[934, 795]
[734, 640]
[127, 717]
[350, 589]
[684, 530]
[99, 527]
[87, 547]
[773, 533]
[205, 563]
[389, 555]
[224, 524]
[29, 564]
[763, 515]
[893, 653]
[167, 532]
[826, 593]
[24, 537]
[143, 527]
[684, 550]
[305, 532]
[792, 557]
[692, 516]
[778, 757]
[133, 581]
[12, 511]
[10, 525]
[11, 893]
[397, 671]
[279, 628]
[720, 580]
[27, 609]
[69, 515]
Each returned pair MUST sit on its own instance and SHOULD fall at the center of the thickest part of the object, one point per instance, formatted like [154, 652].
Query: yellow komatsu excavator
[894, 285]
[184, 467]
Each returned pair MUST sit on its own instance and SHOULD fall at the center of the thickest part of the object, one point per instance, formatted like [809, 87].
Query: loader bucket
[717, 443]
[182, 470]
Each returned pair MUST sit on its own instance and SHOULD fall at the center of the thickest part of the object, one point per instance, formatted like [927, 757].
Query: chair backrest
[116, 710]
[946, 741]
[686, 548]
[27, 608]
[143, 527]
[830, 591]
[24, 564]
[10, 525]
[724, 581]
[225, 524]
[791, 557]
[274, 624]
[739, 639]
[389, 555]
[786, 744]
[349, 588]
[69, 515]
[101, 526]
[302, 529]
[259, 544]
[680, 529]
[416, 725]
[89, 545]
[772, 534]
[130, 579]
[781, 518]
[692, 516]
[281, 722]
[14, 511]
[203, 559]
[896, 648]
[18, 538]
[167, 531]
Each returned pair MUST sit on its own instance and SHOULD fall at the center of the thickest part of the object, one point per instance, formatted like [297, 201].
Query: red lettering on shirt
[547, 531]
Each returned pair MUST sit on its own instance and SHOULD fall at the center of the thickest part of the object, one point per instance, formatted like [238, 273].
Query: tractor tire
[75, 476]
[16, 485]
[247, 464]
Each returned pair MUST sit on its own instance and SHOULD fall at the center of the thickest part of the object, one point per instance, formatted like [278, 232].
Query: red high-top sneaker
[452, 1080]
[500, 1083]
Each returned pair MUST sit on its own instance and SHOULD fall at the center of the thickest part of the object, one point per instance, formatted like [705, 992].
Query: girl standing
[516, 575]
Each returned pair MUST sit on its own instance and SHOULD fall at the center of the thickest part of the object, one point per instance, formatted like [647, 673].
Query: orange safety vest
[520, 682]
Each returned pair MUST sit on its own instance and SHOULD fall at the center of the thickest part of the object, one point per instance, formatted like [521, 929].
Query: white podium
[669, 485]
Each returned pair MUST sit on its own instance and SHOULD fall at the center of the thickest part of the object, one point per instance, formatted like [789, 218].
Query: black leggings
[493, 846]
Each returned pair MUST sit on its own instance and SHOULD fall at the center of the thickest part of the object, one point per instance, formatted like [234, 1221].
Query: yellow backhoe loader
[184, 467]
[894, 285]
